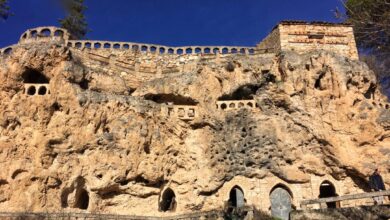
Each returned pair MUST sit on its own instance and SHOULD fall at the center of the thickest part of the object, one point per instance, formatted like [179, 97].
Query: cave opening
[34, 77]
[82, 199]
[236, 197]
[245, 92]
[168, 202]
[170, 98]
[327, 189]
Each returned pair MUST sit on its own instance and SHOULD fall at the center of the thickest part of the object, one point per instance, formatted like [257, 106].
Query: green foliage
[371, 19]
[75, 21]
[4, 9]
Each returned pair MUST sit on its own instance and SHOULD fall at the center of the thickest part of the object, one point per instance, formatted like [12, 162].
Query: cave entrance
[327, 189]
[82, 199]
[168, 202]
[236, 197]
[34, 77]
[281, 204]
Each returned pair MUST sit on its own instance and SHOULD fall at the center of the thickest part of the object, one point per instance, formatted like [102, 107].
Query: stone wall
[303, 37]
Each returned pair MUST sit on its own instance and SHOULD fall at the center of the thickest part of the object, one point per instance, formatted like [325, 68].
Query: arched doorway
[327, 189]
[281, 204]
[168, 200]
[236, 197]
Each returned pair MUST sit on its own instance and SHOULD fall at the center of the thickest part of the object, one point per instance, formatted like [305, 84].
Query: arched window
[144, 48]
[153, 49]
[162, 50]
[170, 51]
[281, 205]
[107, 45]
[168, 200]
[34, 34]
[34, 77]
[97, 45]
[207, 50]
[125, 46]
[58, 33]
[179, 51]
[198, 50]
[117, 46]
[188, 50]
[225, 50]
[88, 45]
[327, 189]
[45, 33]
[236, 197]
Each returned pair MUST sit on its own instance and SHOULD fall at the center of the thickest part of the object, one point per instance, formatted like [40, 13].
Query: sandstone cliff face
[100, 140]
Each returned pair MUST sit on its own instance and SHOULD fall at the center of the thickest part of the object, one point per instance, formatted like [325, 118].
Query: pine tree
[4, 9]
[75, 21]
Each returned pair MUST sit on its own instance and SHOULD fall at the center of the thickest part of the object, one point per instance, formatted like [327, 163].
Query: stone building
[157, 131]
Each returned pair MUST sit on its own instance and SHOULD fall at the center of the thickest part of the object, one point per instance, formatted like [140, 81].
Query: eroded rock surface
[100, 141]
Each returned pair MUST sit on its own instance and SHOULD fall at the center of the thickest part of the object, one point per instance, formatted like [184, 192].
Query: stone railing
[322, 201]
[6, 51]
[183, 112]
[32, 89]
[44, 33]
[236, 104]
[153, 48]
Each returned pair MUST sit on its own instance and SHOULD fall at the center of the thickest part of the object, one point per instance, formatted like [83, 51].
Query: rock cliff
[103, 136]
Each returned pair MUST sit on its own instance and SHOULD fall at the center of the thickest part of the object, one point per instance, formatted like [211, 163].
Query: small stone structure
[305, 36]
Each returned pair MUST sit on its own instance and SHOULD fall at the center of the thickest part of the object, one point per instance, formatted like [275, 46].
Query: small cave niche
[170, 98]
[34, 77]
[84, 84]
[245, 92]
[82, 199]
[317, 84]
[168, 201]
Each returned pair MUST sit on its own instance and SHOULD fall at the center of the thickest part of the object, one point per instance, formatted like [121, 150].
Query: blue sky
[171, 22]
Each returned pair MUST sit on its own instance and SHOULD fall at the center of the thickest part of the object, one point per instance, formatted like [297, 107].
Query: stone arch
[171, 51]
[234, 50]
[179, 51]
[206, 50]
[327, 189]
[189, 50]
[198, 50]
[168, 200]
[34, 76]
[59, 33]
[126, 46]
[45, 32]
[243, 51]
[216, 50]
[78, 45]
[144, 48]
[34, 33]
[236, 197]
[153, 49]
[281, 201]
[42, 90]
[8, 51]
[223, 106]
[251, 51]
[225, 50]
[107, 45]
[232, 105]
[97, 45]
[87, 45]
[117, 46]
[162, 50]
[31, 90]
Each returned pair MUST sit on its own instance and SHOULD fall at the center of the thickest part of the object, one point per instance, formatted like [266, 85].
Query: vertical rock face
[123, 132]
